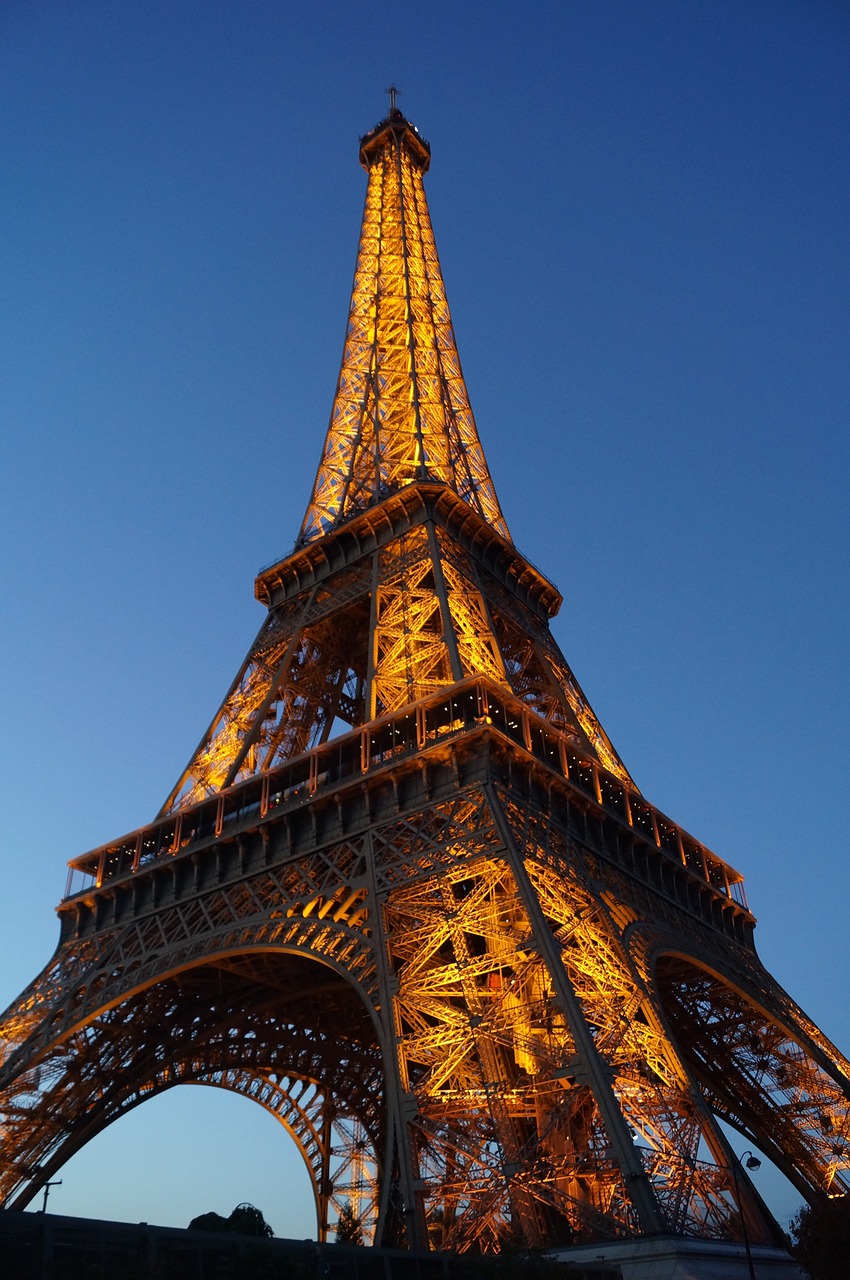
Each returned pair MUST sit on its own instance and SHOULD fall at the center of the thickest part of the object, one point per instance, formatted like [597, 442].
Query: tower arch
[279, 1026]
[762, 1066]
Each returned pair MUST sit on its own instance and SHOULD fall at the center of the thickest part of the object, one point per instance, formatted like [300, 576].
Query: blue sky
[641, 214]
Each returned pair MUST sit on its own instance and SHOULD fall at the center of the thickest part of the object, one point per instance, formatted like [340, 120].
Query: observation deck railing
[381, 744]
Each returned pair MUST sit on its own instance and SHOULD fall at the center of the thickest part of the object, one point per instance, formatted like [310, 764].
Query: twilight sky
[641, 212]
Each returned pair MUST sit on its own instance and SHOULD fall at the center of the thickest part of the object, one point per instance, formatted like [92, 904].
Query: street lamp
[750, 1162]
[47, 1187]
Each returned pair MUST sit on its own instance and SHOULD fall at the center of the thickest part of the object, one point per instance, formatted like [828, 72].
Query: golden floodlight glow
[401, 412]
[405, 894]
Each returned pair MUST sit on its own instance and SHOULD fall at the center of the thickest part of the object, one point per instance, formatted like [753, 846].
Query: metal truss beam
[406, 896]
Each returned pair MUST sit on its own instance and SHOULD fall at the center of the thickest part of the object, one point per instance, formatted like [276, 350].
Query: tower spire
[401, 411]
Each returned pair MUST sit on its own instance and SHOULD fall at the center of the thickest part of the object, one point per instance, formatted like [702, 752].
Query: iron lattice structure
[406, 895]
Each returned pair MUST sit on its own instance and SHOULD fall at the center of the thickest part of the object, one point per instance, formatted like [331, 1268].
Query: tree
[249, 1222]
[821, 1235]
[208, 1222]
[245, 1220]
[348, 1228]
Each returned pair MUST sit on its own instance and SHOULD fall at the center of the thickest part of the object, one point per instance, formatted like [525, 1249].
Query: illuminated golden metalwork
[401, 412]
[406, 895]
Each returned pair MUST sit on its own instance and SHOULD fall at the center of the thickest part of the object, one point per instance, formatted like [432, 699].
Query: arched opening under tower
[279, 1028]
[188, 1151]
[769, 1077]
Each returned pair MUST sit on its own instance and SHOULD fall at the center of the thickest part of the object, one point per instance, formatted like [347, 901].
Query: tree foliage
[348, 1228]
[249, 1222]
[821, 1235]
[209, 1222]
[245, 1220]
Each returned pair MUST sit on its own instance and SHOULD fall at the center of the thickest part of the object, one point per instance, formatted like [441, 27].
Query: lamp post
[47, 1187]
[752, 1163]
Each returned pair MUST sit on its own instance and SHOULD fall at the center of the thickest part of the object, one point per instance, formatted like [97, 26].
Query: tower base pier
[674, 1258]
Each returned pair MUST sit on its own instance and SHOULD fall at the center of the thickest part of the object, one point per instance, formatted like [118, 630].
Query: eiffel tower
[406, 895]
